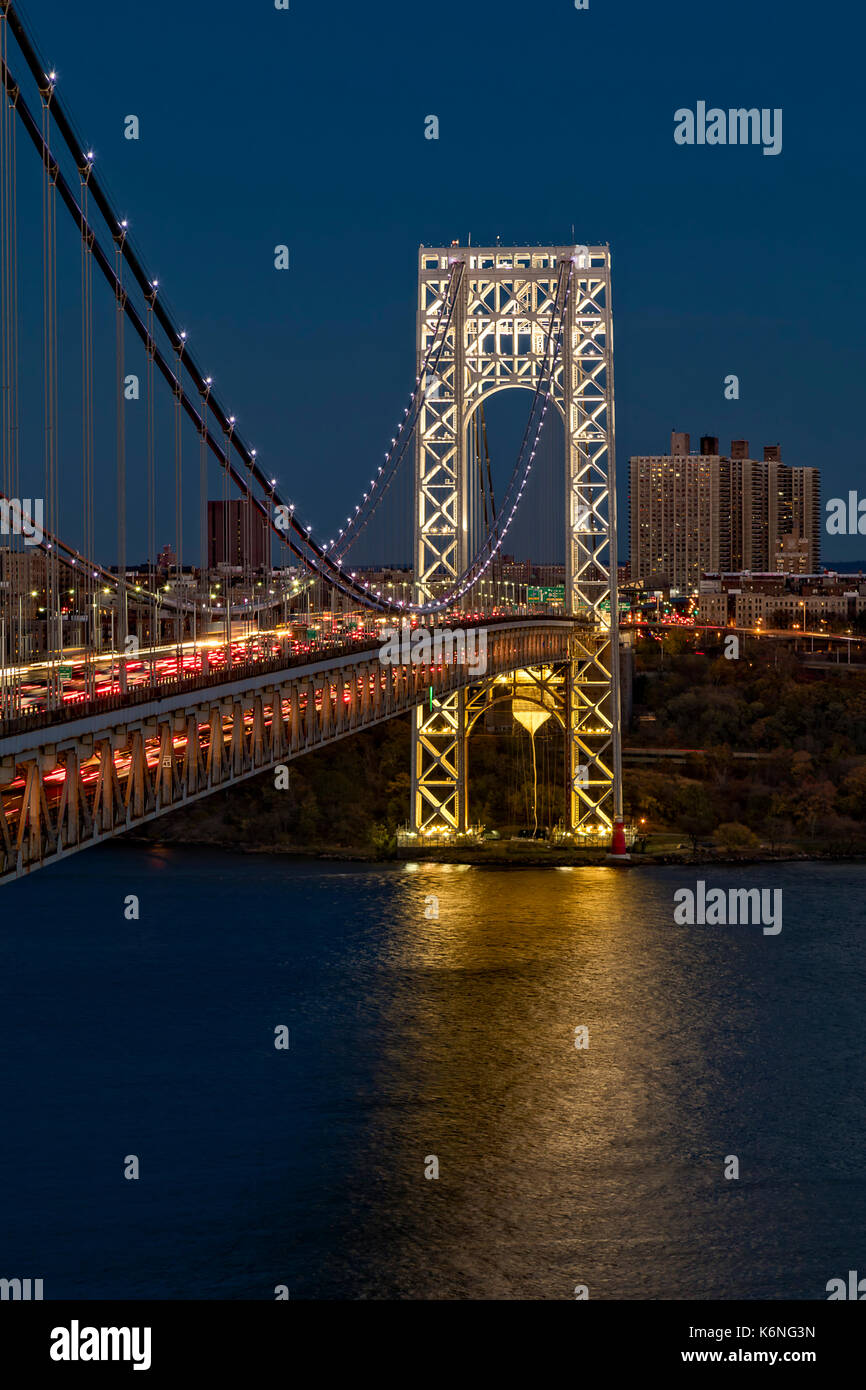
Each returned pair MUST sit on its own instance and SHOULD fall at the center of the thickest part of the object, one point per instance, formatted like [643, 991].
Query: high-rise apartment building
[690, 513]
[237, 535]
[675, 515]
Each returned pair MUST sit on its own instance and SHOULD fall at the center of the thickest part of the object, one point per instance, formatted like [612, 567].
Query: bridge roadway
[73, 777]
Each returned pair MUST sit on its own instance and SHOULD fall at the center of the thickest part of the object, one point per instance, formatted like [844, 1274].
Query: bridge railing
[167, 686]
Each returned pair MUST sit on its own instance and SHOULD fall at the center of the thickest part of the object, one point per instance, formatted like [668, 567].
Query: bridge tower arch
[508, 304]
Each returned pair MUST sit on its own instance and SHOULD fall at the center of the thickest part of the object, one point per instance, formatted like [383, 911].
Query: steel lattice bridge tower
[130, 689]
[538, 318]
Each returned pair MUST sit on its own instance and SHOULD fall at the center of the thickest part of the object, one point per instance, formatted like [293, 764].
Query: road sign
[64, 672]
[540, 593]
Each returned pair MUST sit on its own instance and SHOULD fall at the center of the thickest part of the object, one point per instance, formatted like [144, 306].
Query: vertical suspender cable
[178, 510]
[12, 561]
[227, 567]
[120, 349]
[246, 543]
[53, 615]
[85, 580]
[268, 556]
[151, 487]
[226, 538]
[204, 567]
[7, 562]
[496, 567]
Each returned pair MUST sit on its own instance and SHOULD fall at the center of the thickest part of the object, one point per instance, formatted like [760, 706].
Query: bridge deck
[71, 778]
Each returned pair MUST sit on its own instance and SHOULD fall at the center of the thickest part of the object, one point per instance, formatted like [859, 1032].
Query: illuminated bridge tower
[507, 304]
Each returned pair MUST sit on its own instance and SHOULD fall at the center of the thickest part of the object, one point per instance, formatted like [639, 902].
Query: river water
[415, 1038]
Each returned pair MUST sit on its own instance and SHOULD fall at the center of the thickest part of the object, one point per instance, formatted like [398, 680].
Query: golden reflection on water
[539, 1144]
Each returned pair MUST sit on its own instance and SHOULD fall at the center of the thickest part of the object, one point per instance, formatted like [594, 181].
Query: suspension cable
[311, 555]
[357, 524]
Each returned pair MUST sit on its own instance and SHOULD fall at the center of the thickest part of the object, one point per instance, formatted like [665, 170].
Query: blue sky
[306, 127]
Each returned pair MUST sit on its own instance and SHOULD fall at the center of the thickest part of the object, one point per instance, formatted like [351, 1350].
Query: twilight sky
[306, 127]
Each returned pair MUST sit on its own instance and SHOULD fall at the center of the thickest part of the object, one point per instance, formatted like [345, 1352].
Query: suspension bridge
[129, 687]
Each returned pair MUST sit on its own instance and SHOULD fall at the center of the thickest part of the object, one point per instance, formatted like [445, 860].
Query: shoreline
[512, 858]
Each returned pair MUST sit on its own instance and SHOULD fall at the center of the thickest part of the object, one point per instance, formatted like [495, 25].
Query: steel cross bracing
[542, 687]
[66, 786]
[508, 302]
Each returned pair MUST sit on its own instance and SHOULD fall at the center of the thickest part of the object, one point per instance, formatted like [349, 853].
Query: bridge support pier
[509, 304]
[439, 765]
[593, 732]
[577, 692]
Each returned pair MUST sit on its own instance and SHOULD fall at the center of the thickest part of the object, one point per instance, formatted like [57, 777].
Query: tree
[720, 763]
[852, 799]
[677, 642]
[814, 803]
[733, 835]
[379, 836]
[695, 814]
[777, 829]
